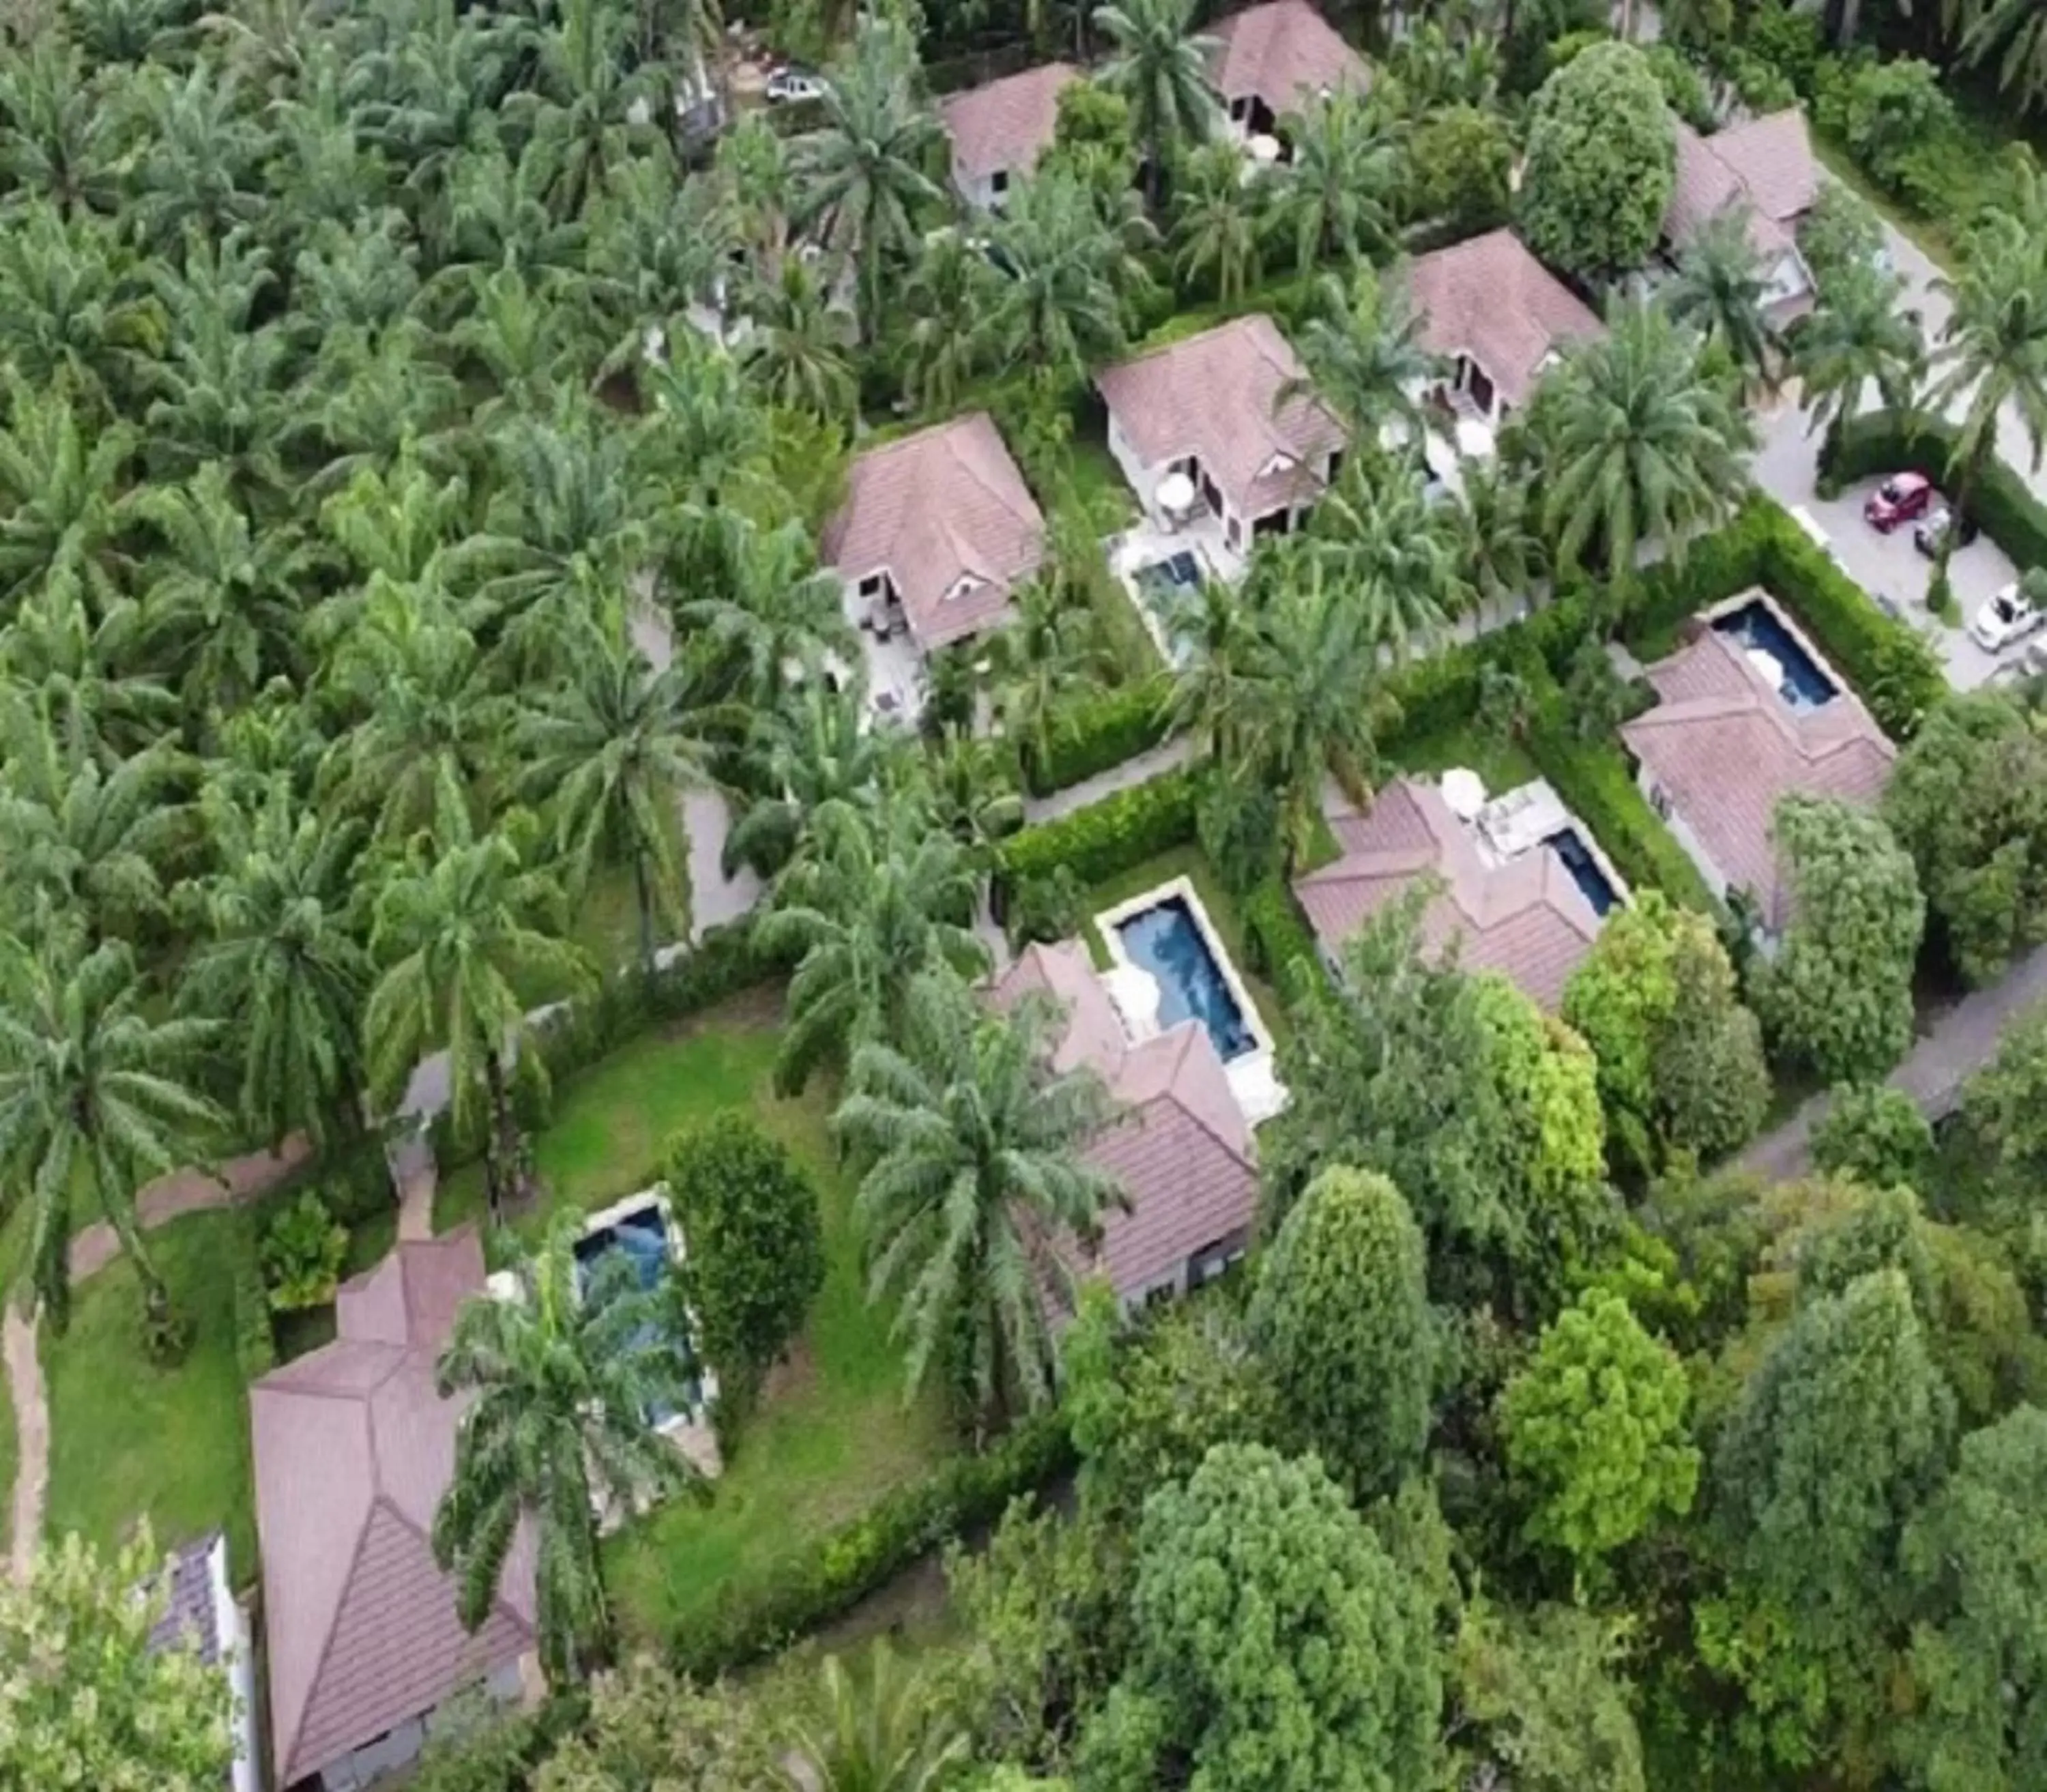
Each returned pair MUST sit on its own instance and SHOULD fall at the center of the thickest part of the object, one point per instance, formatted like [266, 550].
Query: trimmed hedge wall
[255, 1341]
[1281, 944]
[1099, 731]
[2002, 504]
[757, 1618]
[1095, 843]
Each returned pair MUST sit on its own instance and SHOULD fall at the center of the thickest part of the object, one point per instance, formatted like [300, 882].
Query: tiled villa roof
[1007, 124]
[1285, 53]
[1489, 298]
[1765, 166]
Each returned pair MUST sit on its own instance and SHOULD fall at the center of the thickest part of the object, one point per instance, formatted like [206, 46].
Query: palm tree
[860, 176]
[580, 105]
[1722, 289]
[607, 750]
[281, 965]
[1335, 199]
[1365, 361]
[795, 353]
[1637, 442]
[72, 321]
[815, 750]
[559, 1382]
[1160, 68]
[458, 928]
[1222, 221]
[874, 894]
[199, 165]
[92, 1099]
[1070, 269]
[2015, 34]
[889, 1736]
[60, 141]
[973, 1186]
[1051, 644]
[1993, 352]
[1501, 561]
[1213, 633]
[945, 298]
[1859, 334]
[65, 495]
[1377, 532]
[74, 672]
[768, 615]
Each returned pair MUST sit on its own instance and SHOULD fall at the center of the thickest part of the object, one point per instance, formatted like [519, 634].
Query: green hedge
[255, 1342]
[2002, 504]
[1105, 837]
[1281, 944]
[756, 1618]
[1097, 731]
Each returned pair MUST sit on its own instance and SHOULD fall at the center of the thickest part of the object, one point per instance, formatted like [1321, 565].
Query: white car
[787, 85]
[2008, 617]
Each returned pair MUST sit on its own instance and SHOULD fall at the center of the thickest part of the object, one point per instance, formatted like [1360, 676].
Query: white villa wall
[979, 193]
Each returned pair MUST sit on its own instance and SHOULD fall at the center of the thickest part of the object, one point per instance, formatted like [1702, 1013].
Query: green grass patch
[129, 1440]
[1189, 862]
[1098, 483]
[1504, 764]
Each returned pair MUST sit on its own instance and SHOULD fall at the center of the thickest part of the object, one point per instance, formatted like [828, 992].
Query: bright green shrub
[1098, 730]
[1106, 837]
[303, 1250]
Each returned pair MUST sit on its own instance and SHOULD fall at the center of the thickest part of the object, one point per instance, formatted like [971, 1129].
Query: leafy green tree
[464, 922]
[2006, 1102]
[1277, 1645]
[1859, 335]
[1460, 162]
[974, 1179]
[1602, 161]
[1335, 197]
[1723, 290]
[1874, 1135]
[891, 1734]
[1837, 994]
[85, 1699]
[1977, 1553]
[1072, 263]
[648, 1728]
[559, 1383]
[95, 1100]
[1968, 799]
[1638, 443]
[1341, 1318]
[756, 1242]
[870, 900]
[1837, 1439]
[609, 752]
[1680, 1064]
[1159, 69]
[1595, 1432]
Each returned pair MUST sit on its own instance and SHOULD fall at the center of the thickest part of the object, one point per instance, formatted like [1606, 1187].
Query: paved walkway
[1170, 756]
[30, 1400]
[1962, 1040]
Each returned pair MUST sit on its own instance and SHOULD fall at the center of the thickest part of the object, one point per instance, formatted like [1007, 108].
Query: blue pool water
[1800, 683]
[642, 1236]
[1166, 942]
[1585, 870]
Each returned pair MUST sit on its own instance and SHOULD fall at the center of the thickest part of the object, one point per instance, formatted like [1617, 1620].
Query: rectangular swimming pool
[1800, 682]
[1168, 941]
[1585, 871]
[641, 1234]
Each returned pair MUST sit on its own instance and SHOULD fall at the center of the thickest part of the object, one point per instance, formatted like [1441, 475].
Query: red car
[1901, 498]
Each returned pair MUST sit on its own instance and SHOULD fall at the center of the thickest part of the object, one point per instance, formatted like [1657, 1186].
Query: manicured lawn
[1186, 861]
[832, 1434]
[1502, 764]
[128, 1439]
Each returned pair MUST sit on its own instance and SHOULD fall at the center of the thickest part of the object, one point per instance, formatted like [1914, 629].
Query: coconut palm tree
[890, 1735]
[559, 1382]
[1637, 442]
[1500, 558]
[2014, 35]
[1213, 632]
[1221, 222]
[1365, 362]
[1722, 289]
[1335, 198]
[1071, 263]
[1160, 67]
[1051, 644]
[464, 924]
[93, 1099]
[860, 176]
[974, 1181]
[874, 894]
[945, 299]
[767, 615]
[813, 749]
[607, 751]
[280, 969]
[795, 353]
[1993, 352]
[1859, 334]
[1376, 531]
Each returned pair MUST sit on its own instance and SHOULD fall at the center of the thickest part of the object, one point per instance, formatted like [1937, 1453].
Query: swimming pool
[1166, 941]
[1585, 871]
[639, 1233]
[1800, 680]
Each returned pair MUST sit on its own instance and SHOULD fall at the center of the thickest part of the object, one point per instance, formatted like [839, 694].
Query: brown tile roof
[1007, 124]
[1180, 1147]
[1285, 53]
[353, 1447]
[1216, 396]
[1727, 749]
[1765, 166]
[1489, 298]
[945, 513]
[1525, 919]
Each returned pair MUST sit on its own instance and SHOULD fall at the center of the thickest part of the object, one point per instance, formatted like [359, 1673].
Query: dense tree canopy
[1602, 156]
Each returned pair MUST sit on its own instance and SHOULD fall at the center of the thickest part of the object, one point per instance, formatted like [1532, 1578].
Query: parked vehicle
[787, 85]
[1935, 524]
[1899, 499]
[2008, 617]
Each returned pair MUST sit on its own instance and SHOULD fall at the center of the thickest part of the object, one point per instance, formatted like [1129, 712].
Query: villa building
[999, 130]
[200, 1614]
[1277, 58]
[1749, 714]
[1520, 888]
[1765, 168]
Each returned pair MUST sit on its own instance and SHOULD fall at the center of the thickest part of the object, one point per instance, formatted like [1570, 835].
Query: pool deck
[1258, 1091]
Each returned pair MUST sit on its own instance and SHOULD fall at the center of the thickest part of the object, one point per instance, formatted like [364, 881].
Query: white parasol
[1464, 791]
[1176, 493]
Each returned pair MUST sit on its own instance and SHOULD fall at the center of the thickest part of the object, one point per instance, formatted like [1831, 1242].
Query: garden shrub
[255, 1342]
[1280, 945]
[761, 1615]
[1890, 109]
[1789, 40]
[1097, 842]
[1044, 909]
[1098, 730]
[303, 1250]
